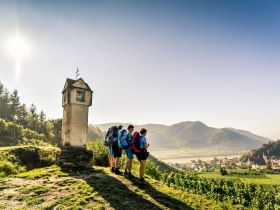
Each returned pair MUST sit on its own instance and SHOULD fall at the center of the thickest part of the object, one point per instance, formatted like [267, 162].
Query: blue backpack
[122, 142]
[106, 139]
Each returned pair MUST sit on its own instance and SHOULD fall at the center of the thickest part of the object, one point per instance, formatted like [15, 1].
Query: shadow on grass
[119, 196]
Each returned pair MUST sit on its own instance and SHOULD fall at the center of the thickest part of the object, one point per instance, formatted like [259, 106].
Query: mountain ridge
[195, 134]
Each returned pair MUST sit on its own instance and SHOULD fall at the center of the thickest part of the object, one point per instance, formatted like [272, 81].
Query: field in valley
[185, 155]
[266, 180]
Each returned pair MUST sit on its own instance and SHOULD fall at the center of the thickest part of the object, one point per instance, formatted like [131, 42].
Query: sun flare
[18, 47]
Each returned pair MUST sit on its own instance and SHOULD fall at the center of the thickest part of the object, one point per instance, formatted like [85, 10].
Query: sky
[154, 61]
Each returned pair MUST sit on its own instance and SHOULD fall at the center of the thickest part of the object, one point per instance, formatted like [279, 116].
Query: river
[189, 159]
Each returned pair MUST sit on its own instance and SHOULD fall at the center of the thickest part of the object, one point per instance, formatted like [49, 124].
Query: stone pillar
[77, 97]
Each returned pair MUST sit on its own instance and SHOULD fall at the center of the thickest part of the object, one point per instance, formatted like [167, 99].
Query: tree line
[20, 124]
[270, 149]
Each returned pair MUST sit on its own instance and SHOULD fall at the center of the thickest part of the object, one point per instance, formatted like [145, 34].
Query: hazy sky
[151, 61]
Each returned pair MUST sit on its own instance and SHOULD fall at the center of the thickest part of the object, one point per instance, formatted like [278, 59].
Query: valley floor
[185, 155]
[51, 188]
[266, 180]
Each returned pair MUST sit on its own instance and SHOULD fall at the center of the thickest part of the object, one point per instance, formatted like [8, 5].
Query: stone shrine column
[77, 97]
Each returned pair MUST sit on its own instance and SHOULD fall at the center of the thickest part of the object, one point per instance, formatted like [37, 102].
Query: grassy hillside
[49, 188]
[97, 188]
[23, 187]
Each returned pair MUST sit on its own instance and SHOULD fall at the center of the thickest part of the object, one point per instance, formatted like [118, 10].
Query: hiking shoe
[130, 175]
[125, 173]
[113, 170]
[118, 172]
[143, 182]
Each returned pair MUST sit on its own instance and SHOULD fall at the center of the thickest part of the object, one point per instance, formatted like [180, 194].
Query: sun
[19, 48]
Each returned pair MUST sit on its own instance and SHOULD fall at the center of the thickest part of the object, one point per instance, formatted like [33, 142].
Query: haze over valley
[195, 139]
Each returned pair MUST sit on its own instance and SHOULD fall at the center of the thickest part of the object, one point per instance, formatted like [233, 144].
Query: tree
[22, 114]
[56, 129]
[42, 123]
[4, 105]
[14, 104]
[1, 89]
[32, 117]
[223, 171]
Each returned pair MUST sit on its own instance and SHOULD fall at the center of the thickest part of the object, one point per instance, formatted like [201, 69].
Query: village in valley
[270, 164]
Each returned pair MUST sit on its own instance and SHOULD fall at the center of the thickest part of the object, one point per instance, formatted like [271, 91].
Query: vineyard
[266, 180]
[233, 192]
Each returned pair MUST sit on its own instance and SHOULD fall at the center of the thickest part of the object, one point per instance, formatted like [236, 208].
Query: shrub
[153, 170]
[7, 168]
[223, 171]
[21, 158]
[47, 155]
[100, 153]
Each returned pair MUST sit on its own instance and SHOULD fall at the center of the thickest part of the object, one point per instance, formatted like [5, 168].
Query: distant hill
[251, 135]
[94, 133]
[269, 150]
[196, 135]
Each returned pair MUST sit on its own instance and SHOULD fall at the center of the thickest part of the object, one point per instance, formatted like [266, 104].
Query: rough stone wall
[66, 122]
[75, 125]
[79, 125]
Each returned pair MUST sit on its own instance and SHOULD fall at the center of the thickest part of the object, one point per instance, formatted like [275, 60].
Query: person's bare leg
[142, 168]
[111, 161]
[116, 162]
[129, 165]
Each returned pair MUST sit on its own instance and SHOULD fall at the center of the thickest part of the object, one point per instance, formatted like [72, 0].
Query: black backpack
[113, 136]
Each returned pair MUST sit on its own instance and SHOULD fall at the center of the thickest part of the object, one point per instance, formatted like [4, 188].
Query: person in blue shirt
[143, 155]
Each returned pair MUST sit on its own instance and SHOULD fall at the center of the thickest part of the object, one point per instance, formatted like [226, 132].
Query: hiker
[109, 144]
[117, 154]
[129, 153]
[139, 147]
[111, 140]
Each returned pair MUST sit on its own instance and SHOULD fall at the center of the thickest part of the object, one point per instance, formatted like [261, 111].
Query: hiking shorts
[142, 156]
[111, 152]
[117, 151]
[129, 154]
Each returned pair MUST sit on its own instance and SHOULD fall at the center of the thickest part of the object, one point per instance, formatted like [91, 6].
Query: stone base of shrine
[75, 157]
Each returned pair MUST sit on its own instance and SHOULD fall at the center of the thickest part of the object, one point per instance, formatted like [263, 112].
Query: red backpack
[135, 143]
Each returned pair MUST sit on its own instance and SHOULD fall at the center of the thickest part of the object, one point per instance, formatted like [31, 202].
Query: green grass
[94, 189]
[266, 180]
[34, 201]
[42, 172]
